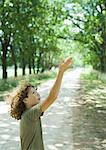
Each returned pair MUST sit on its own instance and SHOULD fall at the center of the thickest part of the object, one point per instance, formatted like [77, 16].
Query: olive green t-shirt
[31, 129]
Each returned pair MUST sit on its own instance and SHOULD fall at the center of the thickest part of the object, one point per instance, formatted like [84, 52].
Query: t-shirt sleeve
[35, 112]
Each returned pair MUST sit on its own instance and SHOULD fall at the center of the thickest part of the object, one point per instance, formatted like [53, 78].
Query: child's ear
[25, 100]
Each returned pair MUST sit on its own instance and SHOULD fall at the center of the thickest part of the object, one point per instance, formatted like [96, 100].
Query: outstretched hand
[65, 64]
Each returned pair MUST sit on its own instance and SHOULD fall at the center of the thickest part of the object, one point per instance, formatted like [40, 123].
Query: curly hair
[17, 106]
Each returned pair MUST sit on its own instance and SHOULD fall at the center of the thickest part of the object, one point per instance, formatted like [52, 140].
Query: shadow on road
[89, 128]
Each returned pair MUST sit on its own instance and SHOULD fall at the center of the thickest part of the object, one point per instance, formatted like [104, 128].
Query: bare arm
[56, 87]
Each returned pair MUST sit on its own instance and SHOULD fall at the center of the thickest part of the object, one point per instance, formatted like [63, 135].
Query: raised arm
[56, 87]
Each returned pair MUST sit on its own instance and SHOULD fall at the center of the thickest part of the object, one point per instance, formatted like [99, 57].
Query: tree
[91, 21]
[28, 29]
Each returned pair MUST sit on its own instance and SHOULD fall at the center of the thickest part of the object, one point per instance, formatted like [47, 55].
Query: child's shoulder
[32, 112]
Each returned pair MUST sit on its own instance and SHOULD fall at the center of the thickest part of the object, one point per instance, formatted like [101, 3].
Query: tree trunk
[15, 67]
[14, 60]
[23, 69]
[103, 51]
[29, 65]
[22, 57]
[33, 64]
[4, 63]
[43, 63]
[103, 62]
[38, 62]
[5, 45]
[23, 65]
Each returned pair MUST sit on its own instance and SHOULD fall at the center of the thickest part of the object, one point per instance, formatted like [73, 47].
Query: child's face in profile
[33, 97]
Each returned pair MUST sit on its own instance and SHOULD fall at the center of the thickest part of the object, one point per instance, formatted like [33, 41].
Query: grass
[93, 78]
[94, 87]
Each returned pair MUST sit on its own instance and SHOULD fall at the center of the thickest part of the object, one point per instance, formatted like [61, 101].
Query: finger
[68, 59]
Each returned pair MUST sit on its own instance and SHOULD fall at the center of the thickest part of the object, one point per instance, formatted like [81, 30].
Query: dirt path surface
[66, 124]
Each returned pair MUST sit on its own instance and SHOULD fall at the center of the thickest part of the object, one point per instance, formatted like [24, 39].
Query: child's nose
[38, 95]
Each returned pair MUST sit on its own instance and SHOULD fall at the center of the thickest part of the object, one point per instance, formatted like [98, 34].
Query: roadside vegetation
[34, 79]
[94, 89]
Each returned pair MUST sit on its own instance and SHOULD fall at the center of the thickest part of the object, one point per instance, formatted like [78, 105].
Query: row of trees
[89, 17]
[29, 31]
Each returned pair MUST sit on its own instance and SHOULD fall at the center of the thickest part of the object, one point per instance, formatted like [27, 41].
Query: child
[26, 107]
